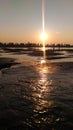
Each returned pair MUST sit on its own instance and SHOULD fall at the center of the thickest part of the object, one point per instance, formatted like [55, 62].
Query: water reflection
[41, 96]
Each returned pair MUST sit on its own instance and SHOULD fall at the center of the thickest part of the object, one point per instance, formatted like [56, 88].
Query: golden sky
[21, 20]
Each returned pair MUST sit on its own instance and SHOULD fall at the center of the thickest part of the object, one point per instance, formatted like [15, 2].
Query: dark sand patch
[6, 62]
[37, 52]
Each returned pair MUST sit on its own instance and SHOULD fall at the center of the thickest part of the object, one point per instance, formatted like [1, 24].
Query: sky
[21, 20]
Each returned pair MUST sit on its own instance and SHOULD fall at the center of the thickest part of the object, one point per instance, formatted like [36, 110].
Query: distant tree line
[11, 44]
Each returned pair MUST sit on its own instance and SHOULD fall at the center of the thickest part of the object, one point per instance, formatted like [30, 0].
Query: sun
[43, 36]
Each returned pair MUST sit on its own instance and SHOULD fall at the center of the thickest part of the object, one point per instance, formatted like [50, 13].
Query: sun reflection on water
[42, 95]
[43, 61]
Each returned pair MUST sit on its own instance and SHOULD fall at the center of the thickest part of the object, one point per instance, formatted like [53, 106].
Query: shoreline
[6, 62]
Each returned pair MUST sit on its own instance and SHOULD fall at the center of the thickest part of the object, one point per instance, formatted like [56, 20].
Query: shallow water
[36, 95]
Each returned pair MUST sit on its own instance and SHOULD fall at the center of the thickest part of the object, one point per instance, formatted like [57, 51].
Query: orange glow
[43, 38]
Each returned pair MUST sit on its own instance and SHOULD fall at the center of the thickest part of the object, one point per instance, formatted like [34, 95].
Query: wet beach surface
[36, 95]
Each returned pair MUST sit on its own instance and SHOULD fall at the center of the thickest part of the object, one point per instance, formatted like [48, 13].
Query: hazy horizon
[21, 21]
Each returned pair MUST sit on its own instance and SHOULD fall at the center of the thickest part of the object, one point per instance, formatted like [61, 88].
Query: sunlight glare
[43, 49]
[43, 61]
[43, 36]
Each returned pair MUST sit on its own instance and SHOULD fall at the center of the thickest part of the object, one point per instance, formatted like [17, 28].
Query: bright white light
[44, 36]
[43, 48]
[43, 61]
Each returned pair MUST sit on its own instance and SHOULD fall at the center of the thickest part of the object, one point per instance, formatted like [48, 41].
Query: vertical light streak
[43, 12]
[43, 25]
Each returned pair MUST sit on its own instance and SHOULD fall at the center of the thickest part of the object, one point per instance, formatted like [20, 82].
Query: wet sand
[36, 96]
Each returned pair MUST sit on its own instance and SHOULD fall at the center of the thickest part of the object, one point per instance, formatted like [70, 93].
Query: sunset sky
[21, 20]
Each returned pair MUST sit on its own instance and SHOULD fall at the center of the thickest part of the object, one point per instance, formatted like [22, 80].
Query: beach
[35, 94]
